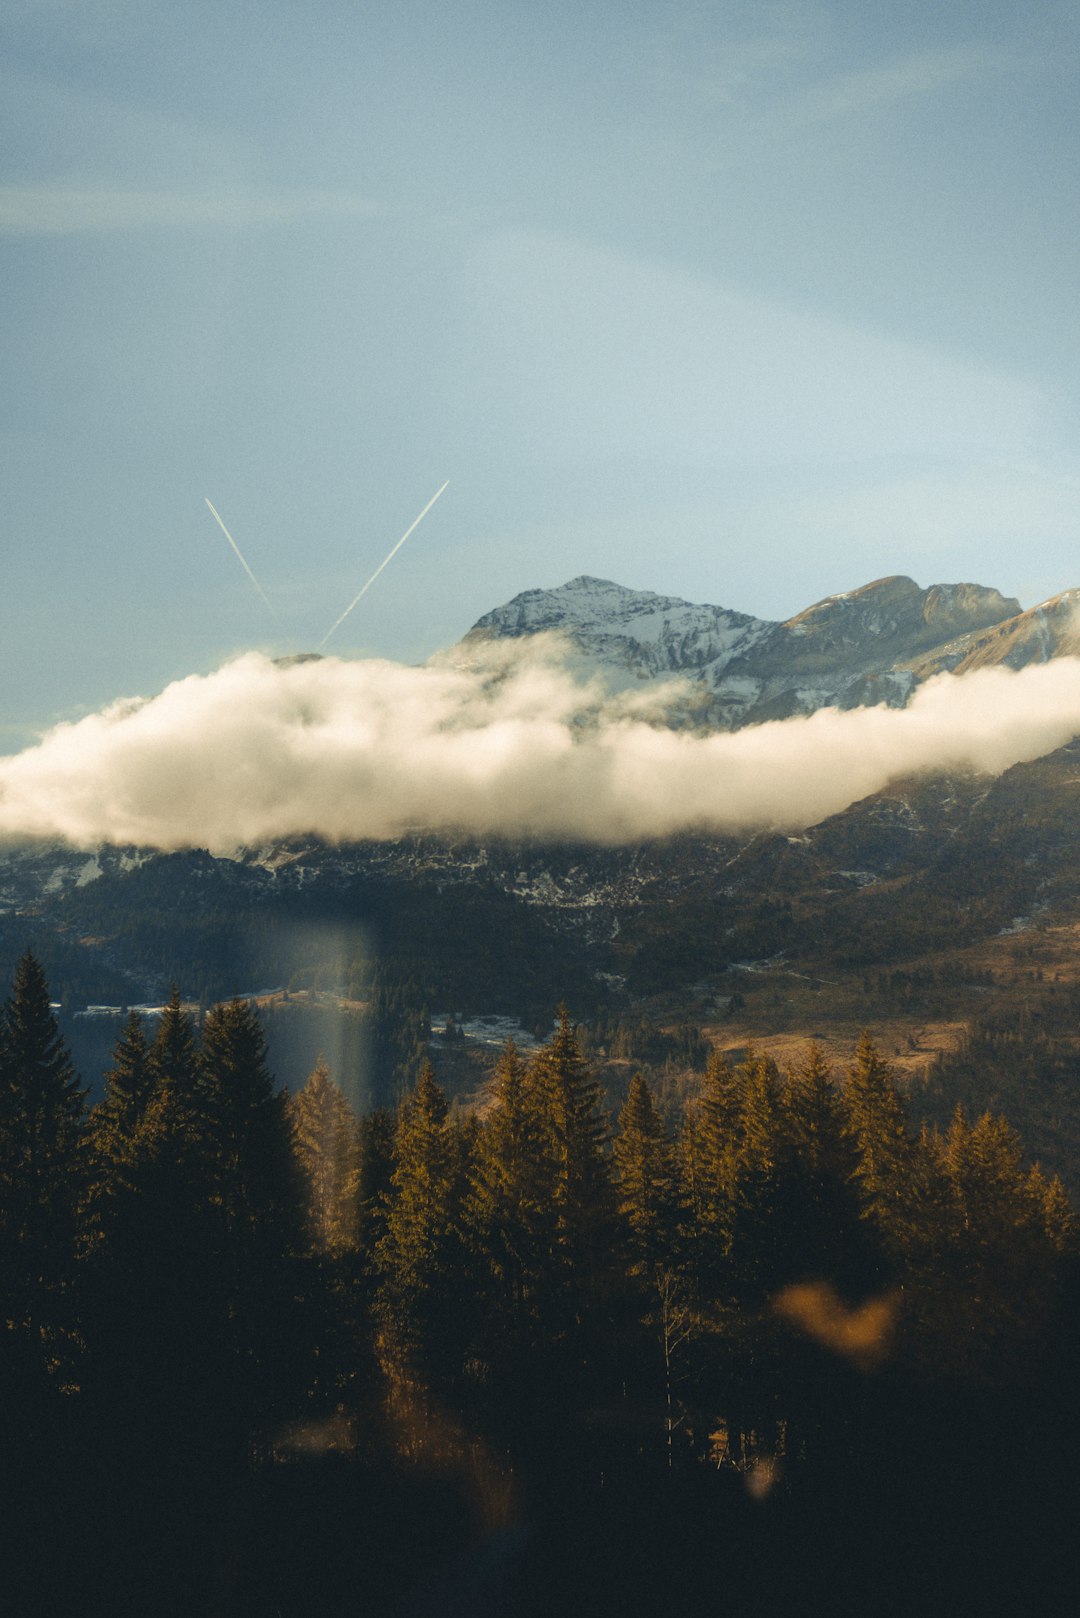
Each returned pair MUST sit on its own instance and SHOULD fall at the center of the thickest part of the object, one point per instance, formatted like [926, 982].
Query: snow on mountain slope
[862, 646]
[636, 629]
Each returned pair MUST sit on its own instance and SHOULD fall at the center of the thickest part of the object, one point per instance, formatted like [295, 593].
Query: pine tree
[993, 1197]
[759, 1232]
[509, 1201]
[709, 1151]
[982, 1162]
[399, 1032]
[166, 1143]
[376, 1166]
[1059, 1220]
[113, 1130]
[984, 1278]
[175, 1053]
[825, 1237]
[249, 1211]
[876, 1124]
[326, 1141]
[157, 1312]
[813, 1121]
[247, 1130]
[758, 1130]
[129, 1084]
[326, 1138]
[658, 1294]
[572, 1136]
[41, 1120]
[719, 1105]
[169, 1145]
[645, 1181]
[420, 1251]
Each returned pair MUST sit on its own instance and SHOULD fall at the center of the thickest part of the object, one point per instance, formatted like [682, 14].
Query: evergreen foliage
[129, 1085]
[710, 1158]
[248, 1138]
[572, 1137]
[41, 1169]
[645, 1178]
[421, 1243]
[221, 1303]
[876, 1126]
[326, 1140]
[510, 1204]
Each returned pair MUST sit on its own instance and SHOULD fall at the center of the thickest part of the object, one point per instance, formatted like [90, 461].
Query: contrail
[240, 555]
[380, 567]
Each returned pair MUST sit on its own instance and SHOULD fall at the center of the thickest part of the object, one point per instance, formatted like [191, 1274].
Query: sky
[745, 304]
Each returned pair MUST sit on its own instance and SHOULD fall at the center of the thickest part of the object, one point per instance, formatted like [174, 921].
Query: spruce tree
[509, 1204]
[658, 1294]
[759, 1237]
[577, 1278]
[1058, 1219]
[983, 1164]
[175, 1054]
[419, 1254]
[170, 1144]
[246, 1123]
[157, 1312]
[645, 1181]
[254, 1205]
[985, 1272]
[813, 1120]
[709, 1153]
[113, 1130]
[326, 1141]
[572, 1137]
[875, 1123]
[376, 1166]
[758, 1128]
[825, 1237]
[41, 1120]
[129, 1084]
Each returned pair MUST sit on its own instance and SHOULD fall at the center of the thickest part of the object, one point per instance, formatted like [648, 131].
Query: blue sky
[745, 304]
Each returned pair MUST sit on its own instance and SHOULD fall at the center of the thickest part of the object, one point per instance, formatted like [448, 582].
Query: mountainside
[864, 646]
[1049, 630]
[916, 909]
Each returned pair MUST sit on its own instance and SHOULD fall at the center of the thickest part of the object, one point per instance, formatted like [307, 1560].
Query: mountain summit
[868, 645]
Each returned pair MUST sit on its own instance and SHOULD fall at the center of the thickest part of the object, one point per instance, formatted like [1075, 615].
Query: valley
[920, 911]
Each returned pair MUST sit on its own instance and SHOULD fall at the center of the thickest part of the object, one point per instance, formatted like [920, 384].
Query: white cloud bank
[520, 745]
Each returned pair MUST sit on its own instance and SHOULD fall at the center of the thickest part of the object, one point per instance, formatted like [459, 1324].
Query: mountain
[864, 646]
[1049, 630]
[918, 910]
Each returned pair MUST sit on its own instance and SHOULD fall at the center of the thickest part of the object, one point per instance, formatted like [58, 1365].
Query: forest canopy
[227, 1306]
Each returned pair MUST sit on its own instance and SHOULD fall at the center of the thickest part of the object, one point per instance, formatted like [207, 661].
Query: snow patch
[490, 1030]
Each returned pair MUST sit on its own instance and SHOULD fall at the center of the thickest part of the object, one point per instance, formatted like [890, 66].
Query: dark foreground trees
[41, 1115]
[262, 1355]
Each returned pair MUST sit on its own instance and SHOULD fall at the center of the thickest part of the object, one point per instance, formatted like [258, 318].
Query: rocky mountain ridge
[506, 925]
[860, 647]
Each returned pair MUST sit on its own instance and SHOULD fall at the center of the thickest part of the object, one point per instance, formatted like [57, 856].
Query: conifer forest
[771, 1351]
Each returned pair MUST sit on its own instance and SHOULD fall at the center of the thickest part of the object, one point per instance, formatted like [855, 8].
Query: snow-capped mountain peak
[649, 635]
[868, 645]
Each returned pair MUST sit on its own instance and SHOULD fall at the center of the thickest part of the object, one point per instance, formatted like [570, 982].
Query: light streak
[389, 558]
[240, 556]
